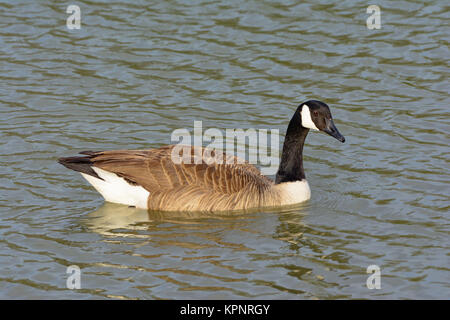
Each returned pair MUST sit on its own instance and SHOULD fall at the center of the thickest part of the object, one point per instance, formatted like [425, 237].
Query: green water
[136, 71]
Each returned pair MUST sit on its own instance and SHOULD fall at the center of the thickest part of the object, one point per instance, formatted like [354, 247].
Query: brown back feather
[204, 186]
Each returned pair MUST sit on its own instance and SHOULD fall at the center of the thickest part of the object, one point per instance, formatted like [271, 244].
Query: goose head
[316, 116]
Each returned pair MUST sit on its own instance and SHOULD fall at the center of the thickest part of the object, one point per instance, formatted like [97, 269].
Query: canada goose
[150, 179]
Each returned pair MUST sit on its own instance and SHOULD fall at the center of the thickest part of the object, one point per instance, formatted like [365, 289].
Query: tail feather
[80, 164]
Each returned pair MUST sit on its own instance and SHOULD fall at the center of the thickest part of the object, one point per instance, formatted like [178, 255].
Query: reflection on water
[135, 72]
[202, 239]
[123, 221]
[110, 217]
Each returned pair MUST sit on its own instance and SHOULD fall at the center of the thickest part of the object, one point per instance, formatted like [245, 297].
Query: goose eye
[315, 113]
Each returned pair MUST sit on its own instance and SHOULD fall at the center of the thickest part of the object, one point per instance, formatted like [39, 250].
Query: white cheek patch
[306, 118]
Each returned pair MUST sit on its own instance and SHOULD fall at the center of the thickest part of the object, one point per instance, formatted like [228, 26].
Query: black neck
[291, 165]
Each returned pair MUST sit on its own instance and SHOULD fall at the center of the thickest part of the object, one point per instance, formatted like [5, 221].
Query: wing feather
[186, 186]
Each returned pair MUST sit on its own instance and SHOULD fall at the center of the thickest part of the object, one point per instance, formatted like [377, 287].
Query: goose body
[151, 179]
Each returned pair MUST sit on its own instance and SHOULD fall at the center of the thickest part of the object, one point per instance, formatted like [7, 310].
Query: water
[136, 72]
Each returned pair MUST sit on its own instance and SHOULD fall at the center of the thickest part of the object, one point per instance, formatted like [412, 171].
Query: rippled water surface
[138, 70]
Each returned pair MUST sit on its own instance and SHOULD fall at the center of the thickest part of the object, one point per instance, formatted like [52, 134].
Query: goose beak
[333, 131]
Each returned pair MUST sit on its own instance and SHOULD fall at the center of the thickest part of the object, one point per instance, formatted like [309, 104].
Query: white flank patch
[295, 192]
[306, 118]
[115, 189]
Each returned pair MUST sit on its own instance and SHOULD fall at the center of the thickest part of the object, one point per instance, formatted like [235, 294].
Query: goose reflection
[113, 220]
[116, 220]
[122, 221]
